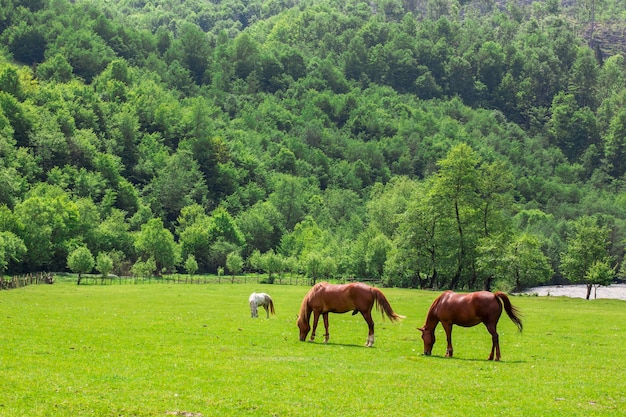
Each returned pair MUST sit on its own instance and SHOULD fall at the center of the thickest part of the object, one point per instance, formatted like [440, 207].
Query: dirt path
[616, 291]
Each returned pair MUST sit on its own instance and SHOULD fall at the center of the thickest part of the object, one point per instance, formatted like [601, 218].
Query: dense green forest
[425, 143]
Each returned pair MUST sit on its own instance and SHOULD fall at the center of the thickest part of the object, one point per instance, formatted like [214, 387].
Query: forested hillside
[429, 143]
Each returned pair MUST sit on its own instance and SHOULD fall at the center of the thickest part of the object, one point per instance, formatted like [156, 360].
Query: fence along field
[175, 349]
[19, 281]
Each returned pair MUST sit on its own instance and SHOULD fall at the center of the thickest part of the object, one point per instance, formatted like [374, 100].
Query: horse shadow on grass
[456, 358]
[347, 345]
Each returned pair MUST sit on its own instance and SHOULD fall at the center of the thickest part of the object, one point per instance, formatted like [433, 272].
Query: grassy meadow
[193, 350]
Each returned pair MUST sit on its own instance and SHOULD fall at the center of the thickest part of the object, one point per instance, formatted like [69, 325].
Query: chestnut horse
[326, 298]
[468, 310]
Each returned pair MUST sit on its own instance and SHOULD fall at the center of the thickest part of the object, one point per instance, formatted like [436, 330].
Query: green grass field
[193, 350]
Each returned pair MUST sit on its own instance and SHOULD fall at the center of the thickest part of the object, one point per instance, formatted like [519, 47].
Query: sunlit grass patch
[157, 350]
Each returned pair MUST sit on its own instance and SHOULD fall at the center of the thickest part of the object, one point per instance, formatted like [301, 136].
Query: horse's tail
[383, 305]
[271, 304]
[512, 312]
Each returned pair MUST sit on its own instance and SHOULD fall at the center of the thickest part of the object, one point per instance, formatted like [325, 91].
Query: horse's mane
[304, 311]
[433, 307]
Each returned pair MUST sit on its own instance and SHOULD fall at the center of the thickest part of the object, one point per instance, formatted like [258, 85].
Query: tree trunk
[455, 279]
[461, 255]
[488, 282]
[433, 280]
[588, 290]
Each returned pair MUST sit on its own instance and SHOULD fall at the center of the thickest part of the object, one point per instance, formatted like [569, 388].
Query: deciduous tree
[157, 243]
[81, 261]
[12, 249]
[587, 248]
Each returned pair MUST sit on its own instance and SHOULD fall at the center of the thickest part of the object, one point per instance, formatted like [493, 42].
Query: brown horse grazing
[468, 310]
[326, 298]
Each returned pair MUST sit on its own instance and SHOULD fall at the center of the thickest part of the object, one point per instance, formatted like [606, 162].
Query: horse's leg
[370, 324]
[327, 335]
[267, 311]
[448, 328]
[316, 317]
[495, 341]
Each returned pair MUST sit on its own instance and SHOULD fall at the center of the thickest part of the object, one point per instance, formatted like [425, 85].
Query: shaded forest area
[432, 144]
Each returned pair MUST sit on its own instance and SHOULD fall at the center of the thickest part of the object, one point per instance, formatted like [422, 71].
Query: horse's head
[428, 336]
[304, 327]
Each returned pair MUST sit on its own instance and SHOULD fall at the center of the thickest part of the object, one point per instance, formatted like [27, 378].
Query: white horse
[260, 300]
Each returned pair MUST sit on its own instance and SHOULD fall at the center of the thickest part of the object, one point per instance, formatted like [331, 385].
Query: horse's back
[339, 298]
[258, 297]
[468, 309]
[486, 301]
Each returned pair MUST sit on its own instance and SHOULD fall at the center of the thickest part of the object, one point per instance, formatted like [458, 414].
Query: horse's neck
[431, 321]
[431, 318]
[305, 314]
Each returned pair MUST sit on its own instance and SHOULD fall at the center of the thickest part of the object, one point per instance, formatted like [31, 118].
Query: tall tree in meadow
[81, 261]
[587, 246]
[456, 195]
[495, 189]
[600, 273]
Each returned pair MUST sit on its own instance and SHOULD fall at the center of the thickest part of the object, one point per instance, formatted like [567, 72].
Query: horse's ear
[421, 329]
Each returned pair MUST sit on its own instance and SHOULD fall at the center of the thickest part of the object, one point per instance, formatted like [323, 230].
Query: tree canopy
[426, 144]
